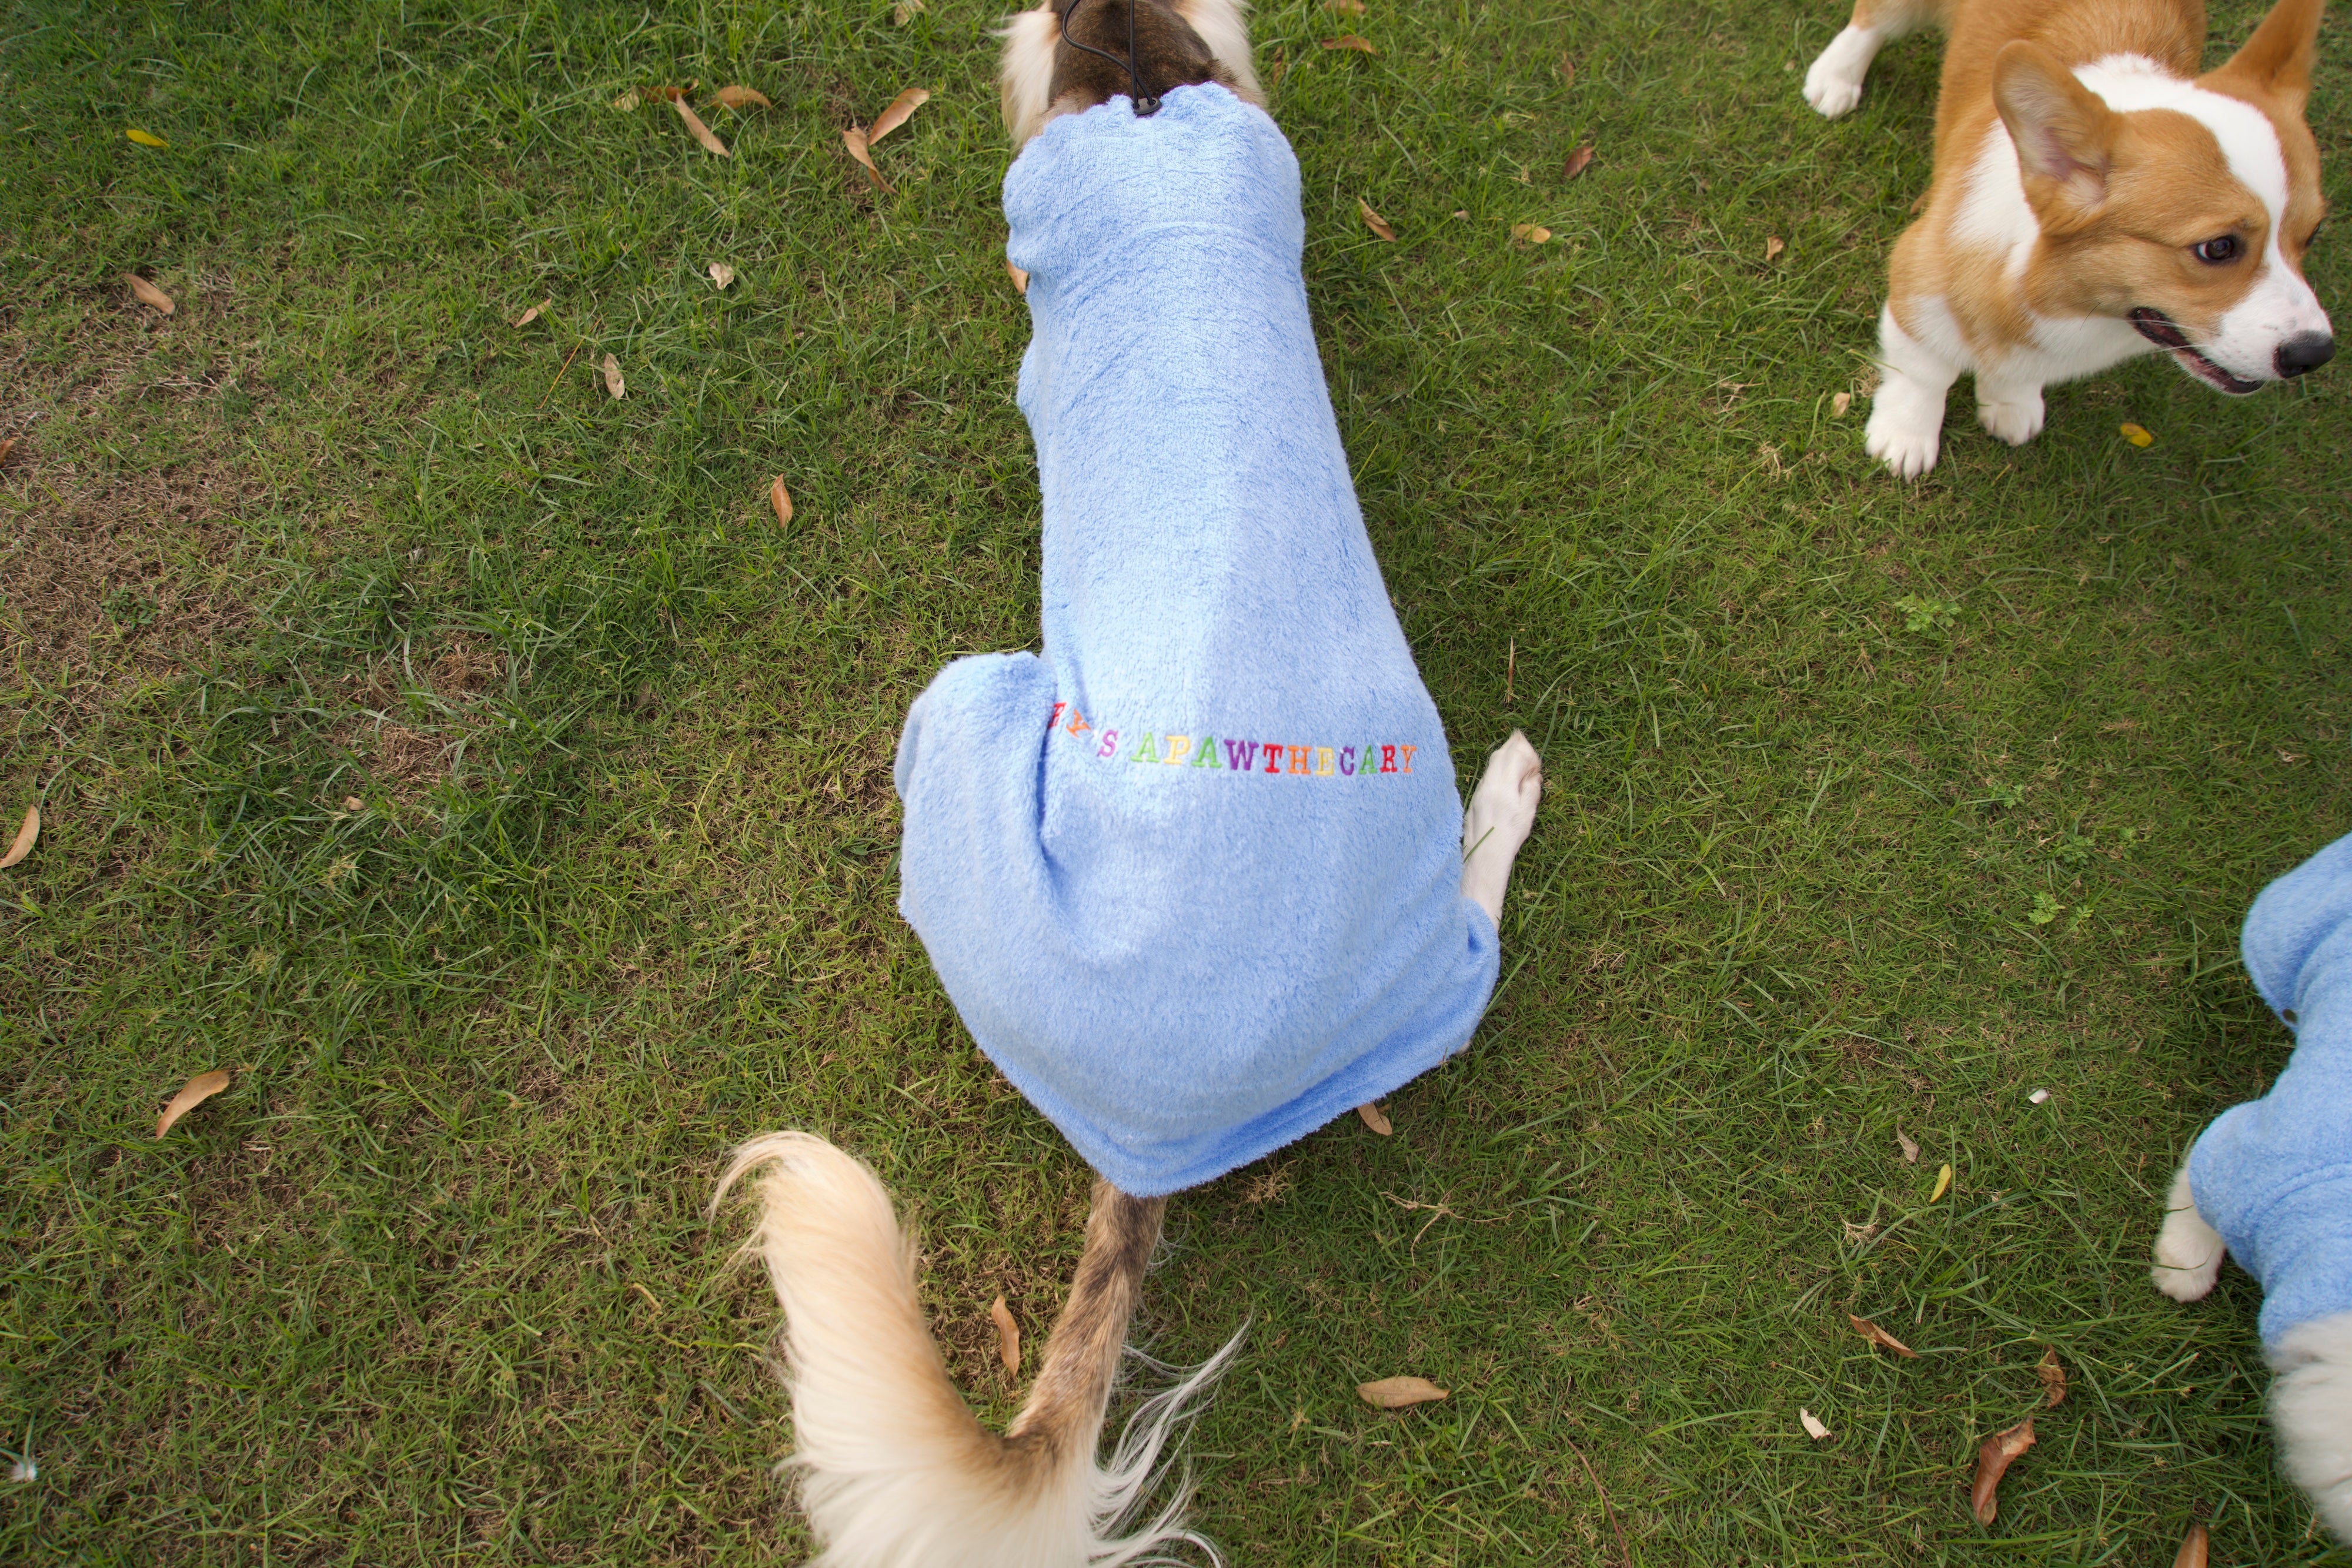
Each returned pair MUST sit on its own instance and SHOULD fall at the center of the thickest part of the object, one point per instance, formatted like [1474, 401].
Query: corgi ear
[2278, 59]
[2066, 136]
[1025, 73]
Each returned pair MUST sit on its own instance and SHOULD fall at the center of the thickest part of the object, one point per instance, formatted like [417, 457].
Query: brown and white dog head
[1043, 76]
[2182, 207]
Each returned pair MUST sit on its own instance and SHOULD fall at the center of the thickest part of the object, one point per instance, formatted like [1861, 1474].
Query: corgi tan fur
[2094, 199]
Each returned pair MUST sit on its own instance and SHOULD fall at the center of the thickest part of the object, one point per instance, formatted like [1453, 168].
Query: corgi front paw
[2188, 1251]
[2016, 420]
[2311, 1405]
[1906, 428]
[1833, 83]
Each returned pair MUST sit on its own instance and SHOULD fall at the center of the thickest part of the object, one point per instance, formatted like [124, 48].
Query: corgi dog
[1224, 700]
[2095, 198]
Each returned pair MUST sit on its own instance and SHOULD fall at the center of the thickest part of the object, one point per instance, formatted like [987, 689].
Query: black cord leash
[1145, 105]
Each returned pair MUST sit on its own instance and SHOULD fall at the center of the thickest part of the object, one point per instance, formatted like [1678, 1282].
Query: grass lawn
[473, 763]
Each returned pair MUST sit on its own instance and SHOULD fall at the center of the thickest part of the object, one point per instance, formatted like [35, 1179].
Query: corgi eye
[2218, 249]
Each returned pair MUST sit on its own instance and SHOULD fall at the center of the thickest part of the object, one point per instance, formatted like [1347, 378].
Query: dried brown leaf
[721, 274]
[1008, 1336]
[2195, 1547]
[1578, 162]
[1351, 41]
[781, 499]
[901, 108]
[1396, 1392]
[147, 294]
[627, 101]
[2053, 1373]
[701, 132]
[192, 1093]
[1773, 245]
[906, 11]
[528, 317]
[1020, 278]
[26, 836]
[1534, 234]
[1838, 404]
[1373, 221]
[1812, 1425]
[1879, 1336]
[1841, 403]
[354, 803]
[7, 447]
[614, 384]
[1375, 1118]
[741, 97]
[668, 94]
[1993, 1456]
[1344, 8]
[1566, 71]
[854, 140]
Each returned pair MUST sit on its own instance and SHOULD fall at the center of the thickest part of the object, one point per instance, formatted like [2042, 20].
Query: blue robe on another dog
[1192, 876]
[2274, 1175]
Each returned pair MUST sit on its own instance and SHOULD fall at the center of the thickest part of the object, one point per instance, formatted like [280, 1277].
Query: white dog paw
[2311, 1405]
[1906, 445]
[2014, 419]
[1830, 91]
[1501, 814]
[2188, 1251]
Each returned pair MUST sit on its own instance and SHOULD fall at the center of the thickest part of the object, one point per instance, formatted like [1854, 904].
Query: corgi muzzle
[2304, 352]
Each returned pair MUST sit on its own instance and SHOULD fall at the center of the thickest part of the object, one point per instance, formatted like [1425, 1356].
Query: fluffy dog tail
[894, 1472]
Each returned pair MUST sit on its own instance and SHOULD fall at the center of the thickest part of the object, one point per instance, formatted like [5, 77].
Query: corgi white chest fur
[2086, 213]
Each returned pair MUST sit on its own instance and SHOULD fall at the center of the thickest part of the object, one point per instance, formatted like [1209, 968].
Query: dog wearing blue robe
[2269, 1182]
[1196, 876]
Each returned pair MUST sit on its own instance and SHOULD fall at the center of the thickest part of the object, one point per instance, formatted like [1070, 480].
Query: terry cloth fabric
[1192, 877]
[2274, 1175]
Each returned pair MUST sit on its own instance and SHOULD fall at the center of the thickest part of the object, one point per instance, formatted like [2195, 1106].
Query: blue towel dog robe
[2274, 1175]
[1192, 877]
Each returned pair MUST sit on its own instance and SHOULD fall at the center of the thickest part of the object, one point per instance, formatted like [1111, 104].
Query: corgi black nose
[2304, 352]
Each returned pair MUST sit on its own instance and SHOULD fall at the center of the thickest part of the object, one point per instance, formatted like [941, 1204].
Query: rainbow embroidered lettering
[1279, 758]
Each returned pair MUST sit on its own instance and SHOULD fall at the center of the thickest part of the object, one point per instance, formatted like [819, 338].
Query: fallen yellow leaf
[192, 1093]
[1773, 245]
[1578, 162]
[2137, 435]
[1943, 1184]
[854, 140]
[528, 317]
[721, 274]
[614, 384]
[1838, 404]
[1373, 221]
[2195, 1547]
[781, 499]
[1008, 1336]
[740, 96]
[146, 138]
[1879, 1336]
[148, 294]
[1812, 1425]
[627, 101]
[1375, 1118]
[1020, 278]
[26, 836]
[901, 107]
[1396, 1392]
[701, 132]
[2053, 1373]
[1993, 1456]
[1350, 41]
[1534, 234]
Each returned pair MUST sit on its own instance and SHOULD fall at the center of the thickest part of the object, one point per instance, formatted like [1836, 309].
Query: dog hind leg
[2311, 1405]
[1501, 812]
[2188, 1251]
[1833, 84]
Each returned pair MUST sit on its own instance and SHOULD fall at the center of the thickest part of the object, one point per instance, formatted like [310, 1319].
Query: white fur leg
[2311, 1405]
[2188, 1251]
[1024, 73]
[2012, 411]
[1224, 27]
[1834, 85]
[1502, 811]
[1906, 413]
